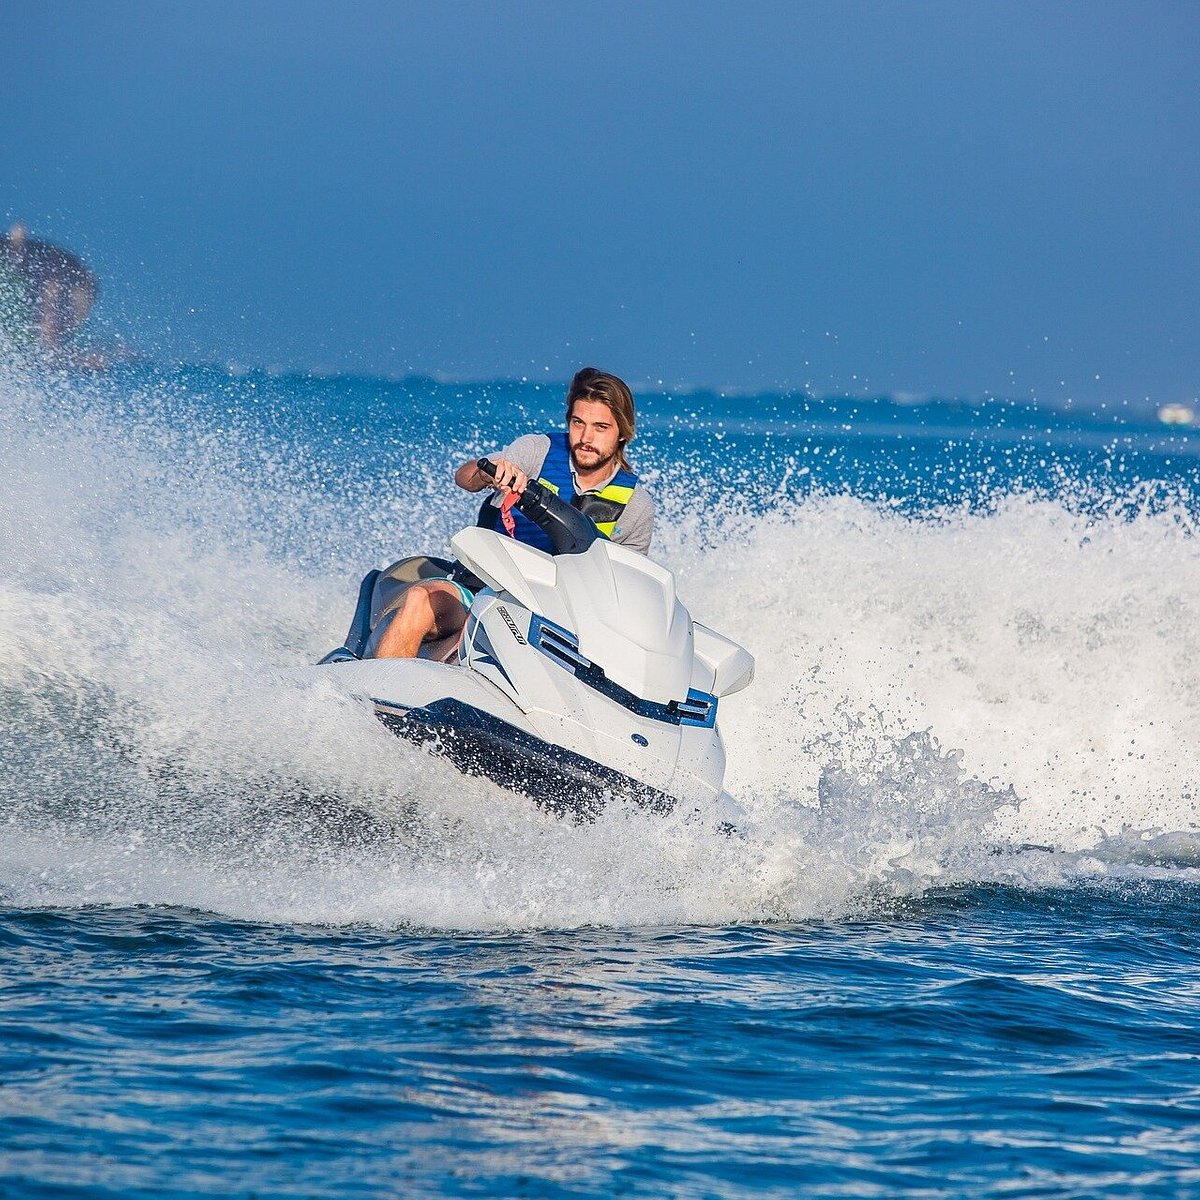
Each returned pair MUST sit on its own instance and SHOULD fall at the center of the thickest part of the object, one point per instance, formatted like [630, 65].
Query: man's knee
[417, 607]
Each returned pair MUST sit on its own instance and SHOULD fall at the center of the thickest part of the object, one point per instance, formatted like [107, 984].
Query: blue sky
[947, 198]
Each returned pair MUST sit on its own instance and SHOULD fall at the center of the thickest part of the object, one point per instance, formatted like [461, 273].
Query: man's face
[592, 435]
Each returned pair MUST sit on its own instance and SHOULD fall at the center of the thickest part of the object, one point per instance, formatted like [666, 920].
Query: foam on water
[932, 692]
[1056, 652]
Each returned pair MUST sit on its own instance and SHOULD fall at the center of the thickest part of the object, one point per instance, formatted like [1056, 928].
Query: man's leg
[430, 610]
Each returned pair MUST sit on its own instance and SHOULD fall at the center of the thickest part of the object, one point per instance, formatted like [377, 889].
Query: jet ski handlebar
[569, 531]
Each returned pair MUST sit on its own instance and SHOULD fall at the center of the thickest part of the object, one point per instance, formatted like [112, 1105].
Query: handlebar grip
[570, 532]
[533, 499]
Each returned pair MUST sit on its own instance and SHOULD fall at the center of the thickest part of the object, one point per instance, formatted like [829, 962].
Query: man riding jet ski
[586, 466]
[551, 657]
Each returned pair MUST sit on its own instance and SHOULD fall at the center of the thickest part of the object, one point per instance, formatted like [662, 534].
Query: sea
[251, 945]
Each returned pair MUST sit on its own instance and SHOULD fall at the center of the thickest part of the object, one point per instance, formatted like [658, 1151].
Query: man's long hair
[591, 384]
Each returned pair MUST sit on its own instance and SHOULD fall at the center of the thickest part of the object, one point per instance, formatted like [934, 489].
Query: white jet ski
[579, 674]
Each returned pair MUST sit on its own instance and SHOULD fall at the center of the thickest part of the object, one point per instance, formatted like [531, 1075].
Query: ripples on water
[977, 1041]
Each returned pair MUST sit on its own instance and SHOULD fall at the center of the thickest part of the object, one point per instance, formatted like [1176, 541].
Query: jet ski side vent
[561, 645]
[698, 709]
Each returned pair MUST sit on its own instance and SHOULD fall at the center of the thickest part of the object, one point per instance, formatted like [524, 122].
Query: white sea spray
[934, 690]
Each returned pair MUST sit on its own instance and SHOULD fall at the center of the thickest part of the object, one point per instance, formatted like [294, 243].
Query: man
[46, 293]
[586, 466]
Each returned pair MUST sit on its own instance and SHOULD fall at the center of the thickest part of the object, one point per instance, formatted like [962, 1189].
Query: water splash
[934, 690]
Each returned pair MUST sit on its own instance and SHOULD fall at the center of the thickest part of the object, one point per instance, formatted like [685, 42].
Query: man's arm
[515, 465]
[471, 479]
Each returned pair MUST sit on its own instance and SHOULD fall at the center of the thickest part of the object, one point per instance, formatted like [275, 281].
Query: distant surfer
[46, 293]
[586, 465]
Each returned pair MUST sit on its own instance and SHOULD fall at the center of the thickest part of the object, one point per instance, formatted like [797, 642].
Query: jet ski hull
[556, 779]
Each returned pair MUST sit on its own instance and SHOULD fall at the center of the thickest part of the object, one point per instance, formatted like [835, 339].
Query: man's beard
[601, 462]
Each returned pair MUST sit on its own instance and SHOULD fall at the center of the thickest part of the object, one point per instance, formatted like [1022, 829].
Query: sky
[916, 198]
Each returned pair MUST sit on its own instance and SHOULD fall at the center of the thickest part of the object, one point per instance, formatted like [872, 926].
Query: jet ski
[579, 675]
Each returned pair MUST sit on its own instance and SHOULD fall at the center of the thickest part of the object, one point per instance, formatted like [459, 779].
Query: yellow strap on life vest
[616, 493]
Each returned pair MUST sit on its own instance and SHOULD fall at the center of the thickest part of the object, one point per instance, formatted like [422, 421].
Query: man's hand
[509, 477]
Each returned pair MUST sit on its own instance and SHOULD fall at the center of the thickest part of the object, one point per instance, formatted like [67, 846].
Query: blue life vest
[604, 507]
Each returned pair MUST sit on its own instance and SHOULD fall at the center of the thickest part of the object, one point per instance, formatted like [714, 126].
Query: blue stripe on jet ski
[559, 644]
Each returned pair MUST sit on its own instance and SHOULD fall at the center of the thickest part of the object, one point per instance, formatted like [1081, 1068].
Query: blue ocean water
[251, 945]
